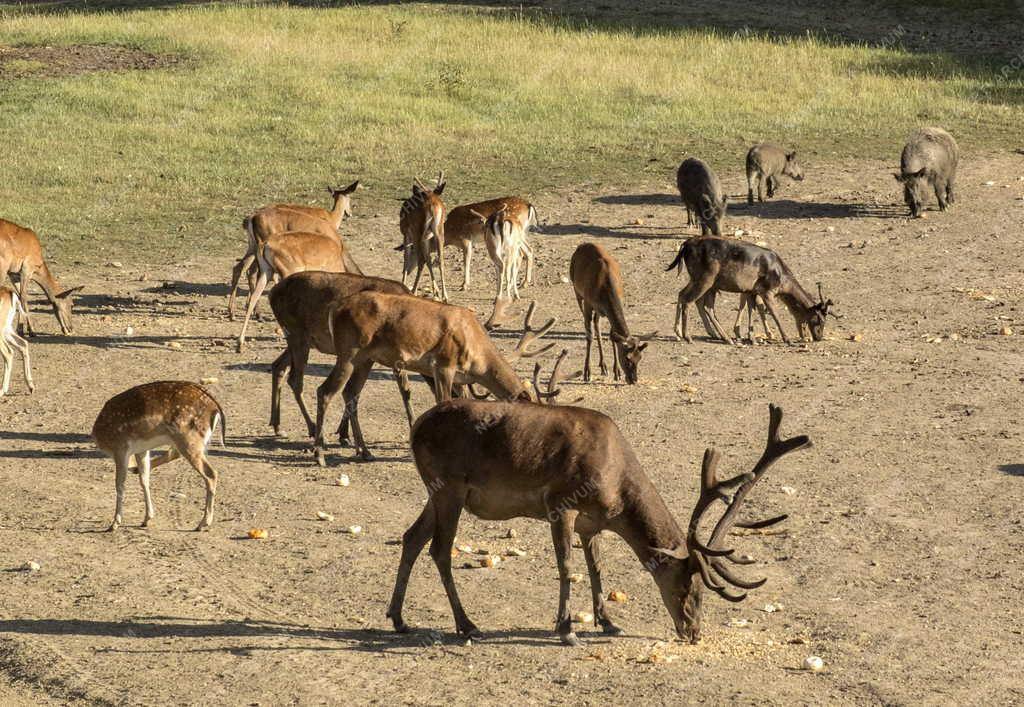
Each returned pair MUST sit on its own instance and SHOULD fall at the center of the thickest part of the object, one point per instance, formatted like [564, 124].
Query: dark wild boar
[702, 194]
[929, 160]
[765, 162]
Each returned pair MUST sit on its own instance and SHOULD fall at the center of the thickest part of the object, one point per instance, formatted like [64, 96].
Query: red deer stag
[597, 282]
[729, 265]
[421, 220]
[282, 218]
[574, 468]
[21, 255]
[408, 333]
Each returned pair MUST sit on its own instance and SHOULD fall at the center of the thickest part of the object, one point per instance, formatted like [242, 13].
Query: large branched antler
[553, 390]
[710, 557]
[530, 335]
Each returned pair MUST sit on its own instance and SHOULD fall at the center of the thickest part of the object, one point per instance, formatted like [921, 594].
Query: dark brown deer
[22, 255]
[597, 282]
[421, 220]
[730, 265]
[574, 468]
[407, 333]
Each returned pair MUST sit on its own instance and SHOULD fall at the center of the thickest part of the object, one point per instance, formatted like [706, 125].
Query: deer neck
[338, 212]
[646, 522]
[796, 298]
[613, 310]
[500, 378]
[45, 279]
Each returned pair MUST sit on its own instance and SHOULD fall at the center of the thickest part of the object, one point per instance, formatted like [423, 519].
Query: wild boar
[702, 194]
[764, 163]
[929, 159]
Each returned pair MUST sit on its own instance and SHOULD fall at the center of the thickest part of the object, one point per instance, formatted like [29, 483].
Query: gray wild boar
[929, 160]
[765, 162]
[702, 194]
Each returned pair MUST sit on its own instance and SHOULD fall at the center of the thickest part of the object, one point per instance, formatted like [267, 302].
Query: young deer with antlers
[283, 254]
[10, 306]
[21, 255]
[283, 218]
[178, 414]
[422, 221]
[407, 333]
[729, 265]
[597, 282]
[467, 224]
[573, 468]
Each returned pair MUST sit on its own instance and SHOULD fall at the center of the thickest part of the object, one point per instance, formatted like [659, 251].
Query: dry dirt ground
[900, 565]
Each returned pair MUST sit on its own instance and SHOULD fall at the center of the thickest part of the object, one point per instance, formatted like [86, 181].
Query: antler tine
[530, 334]
[417, 182]
[440, 178]
[732, 579]
[478, 396]
[536, 382]
[821, 297]
[553, 390]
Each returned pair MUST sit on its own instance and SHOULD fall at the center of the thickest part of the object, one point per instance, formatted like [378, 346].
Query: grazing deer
[597, 282]
[178, 414]
[729, 265]
[283, 218]
[21, 254]
[421, 220]
[10, 306]
[574, 468]
[466, 224]
[303, 304]
[285, 253]
[402, 332]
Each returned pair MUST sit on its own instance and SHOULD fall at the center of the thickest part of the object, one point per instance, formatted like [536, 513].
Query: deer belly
[506, 504]
[144, 444]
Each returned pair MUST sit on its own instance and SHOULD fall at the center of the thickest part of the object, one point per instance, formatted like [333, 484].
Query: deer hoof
[570, 639]
[321, 459]
[113, 526]
[610, 629]
[471, 632]
[366, 455]
[399, 625]
[203, 527]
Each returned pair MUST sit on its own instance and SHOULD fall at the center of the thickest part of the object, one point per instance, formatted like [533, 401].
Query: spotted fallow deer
[730, 265]
[283, 254]
[178, 414]
[597, 282]
[573, 468]
[407, 333]
[467, 225]
[21, 255]
[10, 306]
[284, 218]
[422, 222]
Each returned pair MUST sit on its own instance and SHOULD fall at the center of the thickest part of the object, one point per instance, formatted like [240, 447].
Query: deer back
[597, 279]
[19, 245]
[296, 251]
[154, 410]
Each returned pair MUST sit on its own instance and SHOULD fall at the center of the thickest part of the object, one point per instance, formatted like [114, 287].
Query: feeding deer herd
[520, 454]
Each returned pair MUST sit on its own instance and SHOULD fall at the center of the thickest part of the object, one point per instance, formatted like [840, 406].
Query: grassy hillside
[275, 102]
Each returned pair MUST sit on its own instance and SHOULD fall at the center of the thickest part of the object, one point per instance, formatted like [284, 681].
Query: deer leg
[768, 335]
[299, 356]
[769, 303]
[528, 251]
[616, 369]
[120, 475]
[7, 354]
[444, 379]
[467, 259]
[412, 545]
[143, 462]
[708, 302]
[447, 509]
[402, 379]
[588, 329]
[600, 345]
[250, 305]
[689, 215]
[244, 263]
[194, 453]
[419, 274]
[739, 317]
[717, 330]
[334, 382]
[350, 395]
[561, 535]
[439, 239]
[278, 369]
[24, 319]
[592, 553]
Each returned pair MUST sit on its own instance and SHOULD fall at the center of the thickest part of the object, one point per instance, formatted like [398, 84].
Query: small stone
[324, 516]
[989, 183]
[583, 617]
[788, 490]
[575, 578]
[738, 623]
[174, 345]
[511, 534]
[257, 534]
[564, 279]
[209, 380]
[490, 561]
[115, 264]
[856, 337]
[1005, 330]
[343, 480]
[638, 222]
[830, 229]
[31, 566]
[353, 530]
[617, 596]
[814, 664]
[128, 331]
[516, 552]
[177, 496]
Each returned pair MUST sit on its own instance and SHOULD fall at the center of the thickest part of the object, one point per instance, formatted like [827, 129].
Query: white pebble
[343, 480]
[814, 664]
[324, 516]
[353, 530]
[31, 566]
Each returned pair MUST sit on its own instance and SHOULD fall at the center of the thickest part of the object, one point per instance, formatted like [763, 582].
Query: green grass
[275, 102]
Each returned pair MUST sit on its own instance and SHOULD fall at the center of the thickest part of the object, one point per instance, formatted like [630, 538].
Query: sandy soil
[900, 565]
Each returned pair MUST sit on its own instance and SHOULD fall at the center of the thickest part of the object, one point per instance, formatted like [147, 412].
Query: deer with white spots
[176, 414]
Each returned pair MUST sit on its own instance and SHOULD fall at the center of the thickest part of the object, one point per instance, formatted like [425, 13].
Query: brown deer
[303, 304]
[466, 225]
[21, 255]
[406, 333]
[283, 218]
[597, 282]
[729, 265]
[285, 253]
[10, 306]
[178, 414]
[422, 220]
[574, 468]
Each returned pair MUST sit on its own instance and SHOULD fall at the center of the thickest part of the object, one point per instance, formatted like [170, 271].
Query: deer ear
[920, 173]
[675, 553]
[617, 338]
[440, 188]
[642, 346]
[899, 177]
[351, 187]
[790, 156]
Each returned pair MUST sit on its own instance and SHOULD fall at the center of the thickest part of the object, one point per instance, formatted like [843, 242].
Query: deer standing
[597, 283]
[21, 254]
[10, 306]
[178, 414]
[421, 220]
[466, 225]
[402, 332]
[282, 254]
[729, 265]
[283, 218]
[573, 468]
